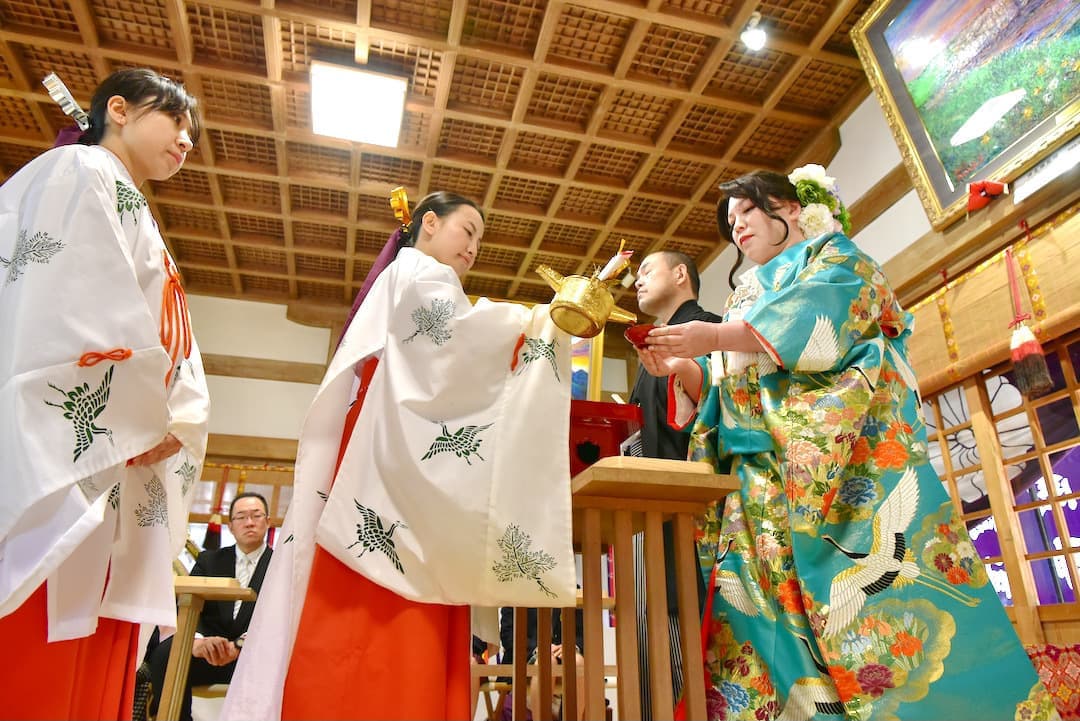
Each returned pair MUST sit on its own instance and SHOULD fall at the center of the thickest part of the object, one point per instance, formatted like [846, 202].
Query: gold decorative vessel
[583, 305]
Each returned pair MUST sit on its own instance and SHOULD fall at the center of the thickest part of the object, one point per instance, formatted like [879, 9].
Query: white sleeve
[189, 404]
[76, 328]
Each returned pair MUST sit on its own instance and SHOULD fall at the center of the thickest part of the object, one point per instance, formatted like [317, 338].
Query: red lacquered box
[597, 429]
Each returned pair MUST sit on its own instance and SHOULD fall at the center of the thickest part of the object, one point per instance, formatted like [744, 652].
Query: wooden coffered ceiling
[574, 124]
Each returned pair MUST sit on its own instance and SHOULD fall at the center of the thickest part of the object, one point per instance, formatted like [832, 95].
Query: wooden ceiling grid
[574, 124]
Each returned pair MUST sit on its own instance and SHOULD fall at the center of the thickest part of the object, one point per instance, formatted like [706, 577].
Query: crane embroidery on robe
[37, 248]
[822, 348]
[462, 443]
[889, 561]
[129, 200]
[518, 561]
[372, 535]
[82, 408]
[114, 497]
[89, 488]
[809, 697]
[156, 512]
[537, 349]
[742, 592]
[433, 322]
[186, 471]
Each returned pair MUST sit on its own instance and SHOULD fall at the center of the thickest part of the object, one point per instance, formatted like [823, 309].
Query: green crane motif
[187, 475]
[82, 408]
[462, 443]
[537, 349]
[371, 535]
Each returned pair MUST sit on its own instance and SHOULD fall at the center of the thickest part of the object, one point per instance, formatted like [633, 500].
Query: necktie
[243, 575]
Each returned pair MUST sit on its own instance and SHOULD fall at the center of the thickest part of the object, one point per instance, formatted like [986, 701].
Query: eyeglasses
[243, 517]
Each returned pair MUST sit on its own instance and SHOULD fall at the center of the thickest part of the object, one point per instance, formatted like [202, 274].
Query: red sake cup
[636, 334]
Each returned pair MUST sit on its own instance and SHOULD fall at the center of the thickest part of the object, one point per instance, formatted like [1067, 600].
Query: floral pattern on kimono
[846, 587]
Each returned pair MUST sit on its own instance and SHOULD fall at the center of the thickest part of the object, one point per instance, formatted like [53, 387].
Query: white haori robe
[455, 485]
[83, 271]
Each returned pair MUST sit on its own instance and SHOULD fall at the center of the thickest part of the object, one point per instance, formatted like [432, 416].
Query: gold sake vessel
[582, 305]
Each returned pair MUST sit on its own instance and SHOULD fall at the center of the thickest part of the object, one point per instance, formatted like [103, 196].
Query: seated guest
[222, 624]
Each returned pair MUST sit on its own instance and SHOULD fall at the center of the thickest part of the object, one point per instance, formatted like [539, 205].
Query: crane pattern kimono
[845, 584]
[98, 365]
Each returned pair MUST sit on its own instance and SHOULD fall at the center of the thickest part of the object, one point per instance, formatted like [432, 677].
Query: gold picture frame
[971, 93]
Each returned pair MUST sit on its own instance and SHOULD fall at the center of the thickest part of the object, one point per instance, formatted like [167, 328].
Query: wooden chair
[191, 593]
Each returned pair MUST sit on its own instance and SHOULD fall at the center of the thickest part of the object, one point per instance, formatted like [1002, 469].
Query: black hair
[677, 257]
[249, 494]
[144, 89]
[442, 203]
[766, 190]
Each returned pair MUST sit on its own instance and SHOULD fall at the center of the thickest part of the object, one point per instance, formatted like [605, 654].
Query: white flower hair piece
[816, 219]
[823, 211]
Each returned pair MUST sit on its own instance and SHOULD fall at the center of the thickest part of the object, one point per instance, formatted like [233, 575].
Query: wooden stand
[191, 593]
[613, 499]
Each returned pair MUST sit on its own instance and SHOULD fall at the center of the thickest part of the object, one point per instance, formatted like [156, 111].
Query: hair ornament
[399, 201]
[823, 211]
[63, 97]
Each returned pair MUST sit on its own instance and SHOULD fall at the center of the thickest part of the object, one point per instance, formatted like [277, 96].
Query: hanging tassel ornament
[212, 541]
[1029, 361]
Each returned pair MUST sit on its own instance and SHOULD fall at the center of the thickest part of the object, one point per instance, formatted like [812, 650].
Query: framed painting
[972, 91]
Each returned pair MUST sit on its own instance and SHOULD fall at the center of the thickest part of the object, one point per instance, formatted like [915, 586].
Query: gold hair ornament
[399, 201]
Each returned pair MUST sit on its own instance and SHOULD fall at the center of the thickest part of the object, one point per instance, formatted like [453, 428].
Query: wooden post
[626, 638]
[1010, 536]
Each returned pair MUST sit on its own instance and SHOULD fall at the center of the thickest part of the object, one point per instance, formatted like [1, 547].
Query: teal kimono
[846, 585]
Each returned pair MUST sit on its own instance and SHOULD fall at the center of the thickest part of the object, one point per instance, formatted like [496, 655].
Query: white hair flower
[820, 200]
[814, 173]
[816, 219]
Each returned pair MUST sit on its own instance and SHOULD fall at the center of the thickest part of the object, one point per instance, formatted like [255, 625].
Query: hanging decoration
[982, 192]
[213, 528]
[1029, 361]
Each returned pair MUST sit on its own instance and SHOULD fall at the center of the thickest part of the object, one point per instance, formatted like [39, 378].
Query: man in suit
[667, 288]
[222, 624]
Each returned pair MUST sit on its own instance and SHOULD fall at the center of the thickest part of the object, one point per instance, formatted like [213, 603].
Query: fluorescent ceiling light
[753, 36]
[984, 118]
[356, 104]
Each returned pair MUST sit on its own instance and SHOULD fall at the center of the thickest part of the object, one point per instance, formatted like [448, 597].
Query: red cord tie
[1019, 316]
[93, 358]
[175, 324]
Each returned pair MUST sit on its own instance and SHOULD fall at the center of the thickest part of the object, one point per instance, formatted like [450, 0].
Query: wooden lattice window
[1012, 467]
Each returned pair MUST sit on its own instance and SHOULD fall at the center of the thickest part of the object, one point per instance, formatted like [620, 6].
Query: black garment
[660, 440]
[216, 619]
